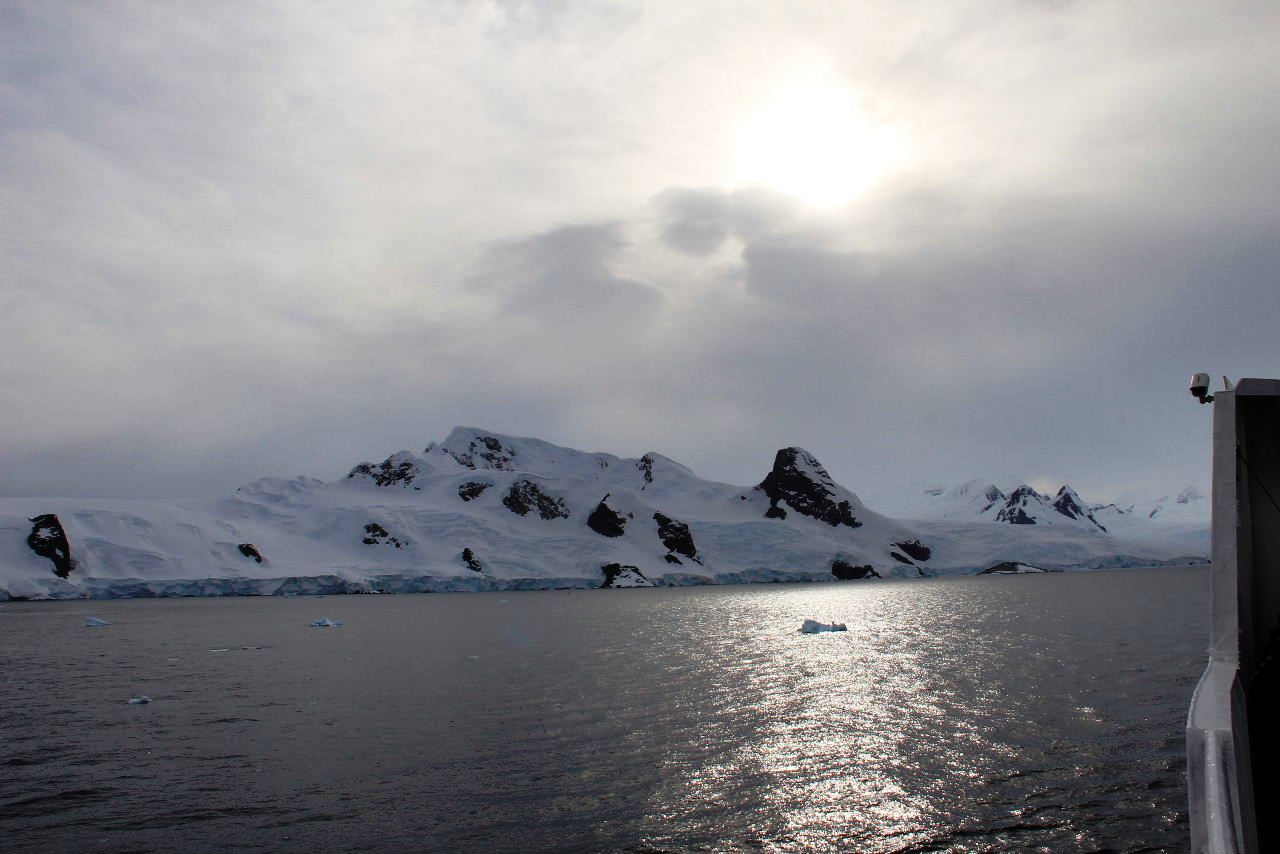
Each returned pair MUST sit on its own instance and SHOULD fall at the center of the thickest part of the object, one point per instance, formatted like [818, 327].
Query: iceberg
[94, 623]
[325, 623]
[139, 701]
[812, 627]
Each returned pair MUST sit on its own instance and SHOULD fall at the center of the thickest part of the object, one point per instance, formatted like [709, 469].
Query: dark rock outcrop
[901, 558]
[391, 471]
[1069, 504]
[915, 549]
[1011, 567]
[48, 539]
[606, 521]
[249, 550]
[676, 537]
[670, 558]
[645, 464]
[992, 495]
[622, 574]
[376, 535]
[525, 496]
[472, 562]
[1014, 511]
[472, 489]
[846, 571]
[485, 452]
[800, 480]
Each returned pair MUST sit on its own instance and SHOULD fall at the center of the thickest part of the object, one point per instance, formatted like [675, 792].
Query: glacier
[483, 511]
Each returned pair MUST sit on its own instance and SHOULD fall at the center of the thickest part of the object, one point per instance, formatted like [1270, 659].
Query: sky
[927, 241]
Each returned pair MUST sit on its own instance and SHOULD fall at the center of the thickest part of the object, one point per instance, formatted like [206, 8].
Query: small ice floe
[325, 623]
[139, 701]
[221, 649]
[812, 627]
[94, 623]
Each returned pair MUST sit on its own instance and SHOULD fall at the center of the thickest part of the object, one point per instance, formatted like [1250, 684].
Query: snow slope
[1178, 523]
[485, 511]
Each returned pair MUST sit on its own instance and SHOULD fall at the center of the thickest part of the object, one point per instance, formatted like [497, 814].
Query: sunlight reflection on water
[976, 714]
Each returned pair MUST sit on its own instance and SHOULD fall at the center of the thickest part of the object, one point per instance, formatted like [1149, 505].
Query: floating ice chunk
[139, 701]
[94, 623]
[325, 623]
[812, 627]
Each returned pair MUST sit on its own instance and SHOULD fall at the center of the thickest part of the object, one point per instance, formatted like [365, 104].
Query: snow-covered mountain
[1181, 522]
[482, 510]
[1190, 505]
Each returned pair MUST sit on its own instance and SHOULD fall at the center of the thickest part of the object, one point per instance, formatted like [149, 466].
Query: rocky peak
[800, 480]
[398, 469]
[479, 450]
[1016, 507]
[1068, 503]
[991, 494]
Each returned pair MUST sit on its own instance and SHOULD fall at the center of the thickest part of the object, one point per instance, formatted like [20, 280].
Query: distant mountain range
[486, 511]
[1023, 505]
[1181, 521]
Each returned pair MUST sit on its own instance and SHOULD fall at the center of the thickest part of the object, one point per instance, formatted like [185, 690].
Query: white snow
[311, 533]
[1170, 525]
[813, 627]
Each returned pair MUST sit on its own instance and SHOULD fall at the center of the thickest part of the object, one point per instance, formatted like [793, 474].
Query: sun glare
[810, 139]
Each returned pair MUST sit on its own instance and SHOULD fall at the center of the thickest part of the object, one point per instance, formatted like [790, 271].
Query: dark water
[969, 714]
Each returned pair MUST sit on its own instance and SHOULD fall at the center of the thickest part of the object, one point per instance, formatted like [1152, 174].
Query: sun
[809, 138]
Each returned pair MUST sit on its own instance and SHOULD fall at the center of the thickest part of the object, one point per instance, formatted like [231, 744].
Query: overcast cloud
[245, 239]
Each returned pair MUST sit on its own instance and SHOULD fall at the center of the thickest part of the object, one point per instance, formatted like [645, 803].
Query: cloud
[275, 242]
[565, 277]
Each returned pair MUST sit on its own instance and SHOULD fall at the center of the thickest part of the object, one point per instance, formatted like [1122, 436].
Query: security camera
[1200, 388]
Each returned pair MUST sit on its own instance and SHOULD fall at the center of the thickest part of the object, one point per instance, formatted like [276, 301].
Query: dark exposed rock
[800, 480]
[605, 521]
[1015, 516]
[645, 464]
[48, 539]
[676, 537]
[1068, 504]
[901, 558]
[251, 551]
[485, 452]
[1014, 511]
[393, 470]
[1010, 567]
[915, 549]
[375, 535]
[993, 496]
[472, 489]
[473, 563]
[670, 558]
[615, 574]
[775, 513]
[524, 496]
[847, 572]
